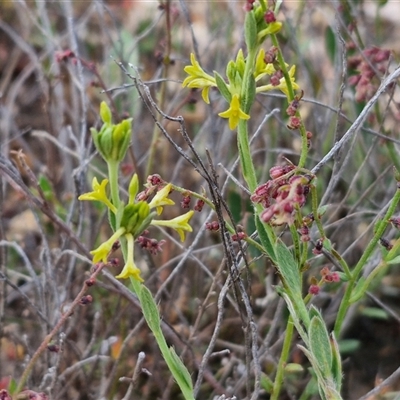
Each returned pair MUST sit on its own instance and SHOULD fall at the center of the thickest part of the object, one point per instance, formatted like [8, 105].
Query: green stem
[246, 161]
[381, 226]
[282, 360]
[290, 97]
[113, 170]
[174, 363]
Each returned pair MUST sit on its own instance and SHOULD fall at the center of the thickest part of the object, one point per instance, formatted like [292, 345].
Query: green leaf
[12, 386]
[322, 210]
[395, 260]
[278, 4]
[150, 310]
[46, 187]
[291, 368]
[358, 291]
[290, 275]
[288, 268]
[266, 383]
[330, 43]
[349, 345]
[264, 239]
[336, 363]
[223, 87]
[296, 320]
[375, 313]
[250, 31]
[320, 345]
[249, 94]
[181, 371]
[327, 244]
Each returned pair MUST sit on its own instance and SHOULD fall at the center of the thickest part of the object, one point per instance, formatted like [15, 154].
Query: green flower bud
[130, 217]
[240, 62]
[102, 139]
[146, 221]
[134, 216]
[133, 188]
[105, 113]
[144, 210]
[113, 140]
[120, 139]
[231, 71]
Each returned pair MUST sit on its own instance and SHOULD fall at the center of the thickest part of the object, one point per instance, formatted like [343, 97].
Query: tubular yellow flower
[271, 29]
[262, 68]
[198, 78]
[282, 84]
[234, 112]
[101, 253]
[130, 269]
[180, 224]
[161, 199]
[99, 194]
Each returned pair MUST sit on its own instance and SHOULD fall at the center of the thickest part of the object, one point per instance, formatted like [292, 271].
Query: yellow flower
[261, 68]
[198, 78]
[130, 269]
[101, 253]
[234, 112]
[161, 199]
[99, 194]
[282, 84]
[180, 224]
[271, 29]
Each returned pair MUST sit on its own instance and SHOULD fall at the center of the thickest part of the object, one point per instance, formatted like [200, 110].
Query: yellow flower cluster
[135, 217]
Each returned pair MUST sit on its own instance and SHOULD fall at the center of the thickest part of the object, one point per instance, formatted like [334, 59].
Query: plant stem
[381, 226]
[113, 170]
[290, 97]
[282, 360]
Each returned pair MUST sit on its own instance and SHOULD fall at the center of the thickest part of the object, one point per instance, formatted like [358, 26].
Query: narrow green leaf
[348, 346]
[150, 310]
[181, 370]
[266, 383]
[223, 87]
[249, 93]
[320, 345]
[359, 290]
[264, 239]
[290, 275]
[327, 244]
[336, 363]
[12, 386]
[288, 268]
[395, 260]
[322, 210]
[375, 313]
[250, 31]
[295, 318]
[330, 43]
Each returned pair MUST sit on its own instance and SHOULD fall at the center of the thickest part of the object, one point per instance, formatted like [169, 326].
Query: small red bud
[90, 282]
[85, 300]
[53, 348]
[314, 290]
[239, 236]
[199, 205]
[269, 17]
[386, 244]
[116, 246]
